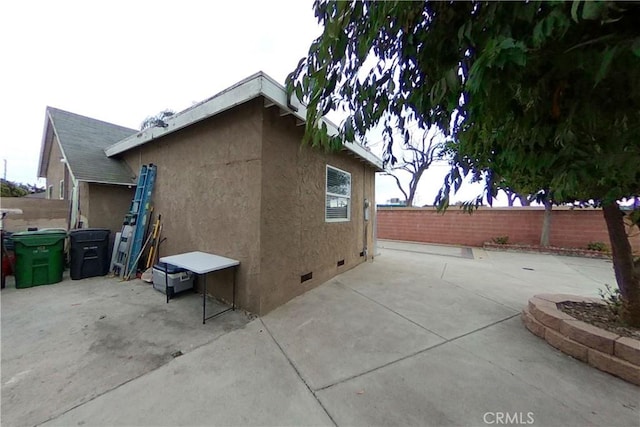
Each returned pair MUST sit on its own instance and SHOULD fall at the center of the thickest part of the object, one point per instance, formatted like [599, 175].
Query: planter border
[604, 350]
[553, 250]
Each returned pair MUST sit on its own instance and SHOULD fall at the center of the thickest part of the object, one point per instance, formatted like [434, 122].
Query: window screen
[338, 201]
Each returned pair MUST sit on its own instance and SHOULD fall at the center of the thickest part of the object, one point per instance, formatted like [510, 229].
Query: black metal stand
[204, 299]
[166, 281]
[204, 294]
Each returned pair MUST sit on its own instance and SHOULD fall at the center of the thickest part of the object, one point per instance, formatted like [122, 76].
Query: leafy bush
[612, 299]
[597, 246]
[16, 189]
[501, 240]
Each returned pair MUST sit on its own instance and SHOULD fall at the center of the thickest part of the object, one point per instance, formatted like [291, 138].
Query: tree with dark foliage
[524, 90]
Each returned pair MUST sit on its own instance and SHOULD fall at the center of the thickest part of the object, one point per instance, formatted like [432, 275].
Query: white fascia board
[256, 85]
[45, 146]
[64, 156]
[94, 181]
[365, 154]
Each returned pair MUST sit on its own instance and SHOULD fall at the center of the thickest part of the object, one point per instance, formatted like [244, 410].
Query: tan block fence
[570, 228]
[40, 213]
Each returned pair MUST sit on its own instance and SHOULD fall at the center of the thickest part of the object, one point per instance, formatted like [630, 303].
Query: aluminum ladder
[134, 224]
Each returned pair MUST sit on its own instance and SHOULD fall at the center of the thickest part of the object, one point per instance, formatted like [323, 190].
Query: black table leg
[204, 299]
[166, 281]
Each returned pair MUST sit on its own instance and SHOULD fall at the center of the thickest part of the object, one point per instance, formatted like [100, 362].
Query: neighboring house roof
[82, 142]
[252, 87]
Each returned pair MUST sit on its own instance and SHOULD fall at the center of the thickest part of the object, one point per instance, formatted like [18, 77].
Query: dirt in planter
[598, 315]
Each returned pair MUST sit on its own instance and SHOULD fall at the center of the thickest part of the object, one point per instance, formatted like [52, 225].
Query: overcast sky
[122, 61]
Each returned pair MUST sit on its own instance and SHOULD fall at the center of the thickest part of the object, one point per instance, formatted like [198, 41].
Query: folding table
[202, 263]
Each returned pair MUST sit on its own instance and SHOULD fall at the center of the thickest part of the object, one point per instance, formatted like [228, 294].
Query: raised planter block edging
[587, 253]
[604, 350]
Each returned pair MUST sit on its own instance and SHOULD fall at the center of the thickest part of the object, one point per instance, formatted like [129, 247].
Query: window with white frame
[338, 201]
[61, 195]
[50, 192]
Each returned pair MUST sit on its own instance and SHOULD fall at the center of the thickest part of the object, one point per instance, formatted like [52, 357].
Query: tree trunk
[524, 201]
[546, 223]
[412, 194]
[413, 186]
[409, 201]
[627, 275]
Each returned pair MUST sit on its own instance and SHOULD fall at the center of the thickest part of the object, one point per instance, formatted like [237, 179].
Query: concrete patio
[424, 335]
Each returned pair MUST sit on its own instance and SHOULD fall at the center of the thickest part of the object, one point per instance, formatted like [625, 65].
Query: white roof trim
[64, 156]
[95, 181]
[252, 87]
[47, 135]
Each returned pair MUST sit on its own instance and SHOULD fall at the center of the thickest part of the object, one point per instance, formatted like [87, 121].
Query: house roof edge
[258, 84]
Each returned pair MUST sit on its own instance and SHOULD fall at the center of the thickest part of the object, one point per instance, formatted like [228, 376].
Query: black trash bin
[89, 252]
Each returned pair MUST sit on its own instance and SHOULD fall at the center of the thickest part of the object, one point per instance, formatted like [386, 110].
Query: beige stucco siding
[295, 238]
[241, 185]
[56, 171]
[208, 193]
[108, 205]
[68, 184]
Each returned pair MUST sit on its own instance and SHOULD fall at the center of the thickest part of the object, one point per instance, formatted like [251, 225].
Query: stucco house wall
[56, 172]
[207, 190]
[107, 205]
[241, 185]
[295, 238]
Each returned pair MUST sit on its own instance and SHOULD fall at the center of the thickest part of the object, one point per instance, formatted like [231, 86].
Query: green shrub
[501, 240]
[612, 299]
[597, 246]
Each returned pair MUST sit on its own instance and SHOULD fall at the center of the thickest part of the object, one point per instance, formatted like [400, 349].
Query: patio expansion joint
[574, 268]
[395, 312]
[424, 350]
[481, 295]
[444, 269]
[461, 256]
[295, 369]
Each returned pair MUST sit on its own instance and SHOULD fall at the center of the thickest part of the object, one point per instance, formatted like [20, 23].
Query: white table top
[200, 262]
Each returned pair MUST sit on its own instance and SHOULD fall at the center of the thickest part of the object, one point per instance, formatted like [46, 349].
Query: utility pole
[5, 169]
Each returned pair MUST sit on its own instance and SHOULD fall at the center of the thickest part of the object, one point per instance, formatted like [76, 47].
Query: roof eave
[45, 146]
[95, 181]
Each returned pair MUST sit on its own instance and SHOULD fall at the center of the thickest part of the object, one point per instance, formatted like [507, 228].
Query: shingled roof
[82, 142]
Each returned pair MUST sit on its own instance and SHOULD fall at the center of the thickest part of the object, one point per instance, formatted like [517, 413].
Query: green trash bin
[39, 257]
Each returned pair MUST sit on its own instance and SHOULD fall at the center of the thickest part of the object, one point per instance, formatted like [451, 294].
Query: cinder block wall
[41, 213]
[571, 228]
